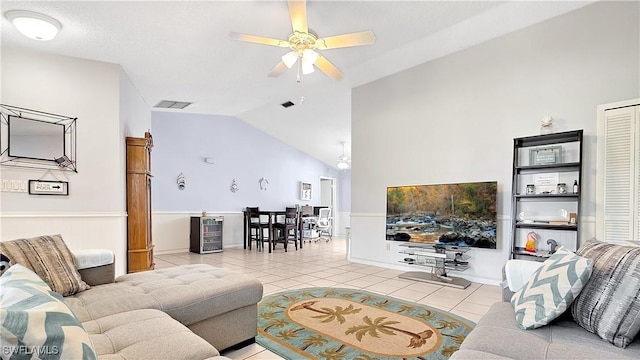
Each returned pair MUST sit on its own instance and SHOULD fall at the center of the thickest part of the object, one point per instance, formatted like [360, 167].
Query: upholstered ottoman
[217, 304]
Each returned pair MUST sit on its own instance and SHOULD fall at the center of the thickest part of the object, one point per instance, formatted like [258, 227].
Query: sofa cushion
[551, 289]
[146, 334]
[188, 293]
[49, 257]
[497, 335]
[609, 305]
[37, 320]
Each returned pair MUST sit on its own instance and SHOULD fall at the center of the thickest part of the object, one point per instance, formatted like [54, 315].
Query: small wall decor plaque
[48, 187]
[546, 156]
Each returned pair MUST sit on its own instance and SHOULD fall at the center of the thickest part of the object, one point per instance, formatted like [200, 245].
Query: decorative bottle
[575, 186]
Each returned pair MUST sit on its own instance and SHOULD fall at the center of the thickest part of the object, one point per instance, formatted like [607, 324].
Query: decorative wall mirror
[36, 139]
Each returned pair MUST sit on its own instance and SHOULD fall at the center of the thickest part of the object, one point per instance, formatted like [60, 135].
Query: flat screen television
[444, 214]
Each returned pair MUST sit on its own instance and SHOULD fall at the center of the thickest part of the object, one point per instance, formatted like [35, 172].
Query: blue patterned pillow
[35, 322]
[551, 289]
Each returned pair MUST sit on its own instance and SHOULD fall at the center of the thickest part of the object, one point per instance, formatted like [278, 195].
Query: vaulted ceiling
[181, 50]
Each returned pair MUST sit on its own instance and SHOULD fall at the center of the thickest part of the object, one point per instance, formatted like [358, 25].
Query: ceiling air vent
[287, 104]
[170, 104]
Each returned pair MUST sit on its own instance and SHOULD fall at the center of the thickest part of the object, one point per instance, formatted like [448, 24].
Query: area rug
[333, 323]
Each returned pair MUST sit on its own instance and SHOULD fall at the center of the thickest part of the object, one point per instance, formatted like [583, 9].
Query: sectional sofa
[186, 312]
[608, 306]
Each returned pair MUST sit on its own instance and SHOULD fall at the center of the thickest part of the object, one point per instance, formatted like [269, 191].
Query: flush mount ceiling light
[343, 160]
[34, 25]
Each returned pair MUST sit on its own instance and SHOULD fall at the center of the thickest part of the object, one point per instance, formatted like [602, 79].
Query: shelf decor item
[532, 239]
[546, 156]
[546, 125]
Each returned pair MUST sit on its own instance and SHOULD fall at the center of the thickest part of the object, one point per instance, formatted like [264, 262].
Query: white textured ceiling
[180, 50]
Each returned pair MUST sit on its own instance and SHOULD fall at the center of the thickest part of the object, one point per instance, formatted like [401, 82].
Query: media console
[439, 258]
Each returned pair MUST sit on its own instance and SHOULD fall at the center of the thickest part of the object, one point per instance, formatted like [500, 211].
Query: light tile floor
[324, 264]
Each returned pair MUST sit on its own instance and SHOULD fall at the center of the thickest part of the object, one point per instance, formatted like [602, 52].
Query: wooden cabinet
[545, 196]
[139, 244]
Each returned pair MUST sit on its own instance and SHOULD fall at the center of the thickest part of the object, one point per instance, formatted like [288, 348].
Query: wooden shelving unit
[561, 156]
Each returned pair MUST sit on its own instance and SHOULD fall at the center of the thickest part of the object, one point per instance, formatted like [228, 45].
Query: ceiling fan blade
[298, 14]
[278, 69]
[258, 39]
[328, 68]
[345, 40]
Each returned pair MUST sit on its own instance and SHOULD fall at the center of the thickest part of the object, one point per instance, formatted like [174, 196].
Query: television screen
[445, 214]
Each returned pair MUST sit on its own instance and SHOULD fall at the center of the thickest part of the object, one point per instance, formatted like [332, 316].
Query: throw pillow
[609, 305]
[36, 323]
[551, 289]
[49, 257]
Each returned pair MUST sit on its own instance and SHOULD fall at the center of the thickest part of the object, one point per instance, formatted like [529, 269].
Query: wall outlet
[388, 246]
[13, 185]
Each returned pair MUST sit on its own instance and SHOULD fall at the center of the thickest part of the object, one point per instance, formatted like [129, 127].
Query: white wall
[454, 119]
[93, 215]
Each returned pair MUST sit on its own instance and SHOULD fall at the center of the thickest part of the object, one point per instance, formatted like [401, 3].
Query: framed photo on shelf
[545, 156]
[305, 191]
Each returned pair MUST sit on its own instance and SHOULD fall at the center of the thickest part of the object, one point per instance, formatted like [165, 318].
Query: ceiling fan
[343, 160]
[303, 43]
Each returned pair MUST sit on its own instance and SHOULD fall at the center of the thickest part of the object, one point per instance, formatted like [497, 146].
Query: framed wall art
[305, 191]
[546, 156]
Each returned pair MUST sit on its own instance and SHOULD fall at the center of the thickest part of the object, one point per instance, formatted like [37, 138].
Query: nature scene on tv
[447, 214]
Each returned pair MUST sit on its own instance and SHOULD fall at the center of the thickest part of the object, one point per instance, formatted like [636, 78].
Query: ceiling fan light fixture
[290, 58]
[342, 160]
[34, 25]
[310, 56]
[307, 67]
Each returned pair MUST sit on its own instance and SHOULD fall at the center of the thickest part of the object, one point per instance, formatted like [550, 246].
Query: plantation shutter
[621, 180]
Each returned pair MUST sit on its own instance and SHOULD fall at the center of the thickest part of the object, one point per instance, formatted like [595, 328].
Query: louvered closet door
[621, 164]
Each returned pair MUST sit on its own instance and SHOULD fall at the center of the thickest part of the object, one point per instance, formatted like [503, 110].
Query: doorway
[328, 198]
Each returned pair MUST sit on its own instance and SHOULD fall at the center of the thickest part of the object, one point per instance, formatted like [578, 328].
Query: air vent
[287, 104]
[170, 104]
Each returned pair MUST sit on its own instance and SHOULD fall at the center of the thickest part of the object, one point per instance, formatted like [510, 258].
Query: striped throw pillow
[609, 305]
[551, 289]
[49, 257]
[36, 323]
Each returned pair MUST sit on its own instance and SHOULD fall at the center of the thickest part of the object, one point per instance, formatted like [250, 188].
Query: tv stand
[439, 258]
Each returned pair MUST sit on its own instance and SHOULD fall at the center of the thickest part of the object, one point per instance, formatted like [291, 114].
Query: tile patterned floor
[324, 264]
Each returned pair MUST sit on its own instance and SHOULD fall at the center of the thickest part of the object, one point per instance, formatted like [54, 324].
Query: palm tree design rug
[336, 324]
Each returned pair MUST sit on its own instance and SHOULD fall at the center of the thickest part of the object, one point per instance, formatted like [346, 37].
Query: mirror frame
[65, 163]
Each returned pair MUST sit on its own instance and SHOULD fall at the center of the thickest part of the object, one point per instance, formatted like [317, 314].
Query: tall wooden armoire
[139, 245]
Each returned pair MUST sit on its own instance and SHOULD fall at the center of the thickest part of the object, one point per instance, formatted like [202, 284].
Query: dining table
[271, 215]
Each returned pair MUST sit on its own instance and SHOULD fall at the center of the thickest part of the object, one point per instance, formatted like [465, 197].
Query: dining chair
[287, 230]
[256, 228]
[325, 223]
